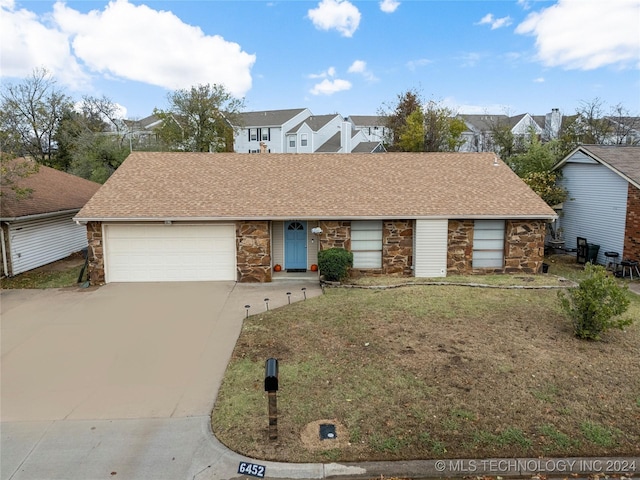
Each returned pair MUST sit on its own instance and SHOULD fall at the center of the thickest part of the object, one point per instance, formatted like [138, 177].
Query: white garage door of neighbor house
[170, 253]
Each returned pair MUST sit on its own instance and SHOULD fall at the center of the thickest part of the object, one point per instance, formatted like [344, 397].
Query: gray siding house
[603, 204]
[38, 229]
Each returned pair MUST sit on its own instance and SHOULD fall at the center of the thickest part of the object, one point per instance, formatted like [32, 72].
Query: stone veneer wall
[397, 245]
[523, 249]
[95, 253]
[253, 243]
[460, 247]
[632, 226]
[335, 234]
[524, 246]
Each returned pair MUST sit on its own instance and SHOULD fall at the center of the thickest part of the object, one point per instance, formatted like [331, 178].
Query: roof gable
[624, 160]
[230, 186]
[53, 191]
[316, 122]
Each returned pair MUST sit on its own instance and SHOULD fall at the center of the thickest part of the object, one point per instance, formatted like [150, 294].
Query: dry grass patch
[60, 274]
[433, 372]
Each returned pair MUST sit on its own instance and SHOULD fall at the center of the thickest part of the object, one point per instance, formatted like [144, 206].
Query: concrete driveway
[119, 380]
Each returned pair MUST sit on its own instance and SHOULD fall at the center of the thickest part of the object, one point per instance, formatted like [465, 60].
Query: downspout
[5, 267]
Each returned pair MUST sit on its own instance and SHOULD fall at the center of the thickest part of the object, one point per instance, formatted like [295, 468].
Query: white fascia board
[39, 215]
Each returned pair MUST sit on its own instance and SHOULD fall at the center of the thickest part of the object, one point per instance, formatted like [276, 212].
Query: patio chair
[583, 251]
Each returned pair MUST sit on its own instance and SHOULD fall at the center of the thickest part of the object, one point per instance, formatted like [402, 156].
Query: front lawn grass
[422, 372]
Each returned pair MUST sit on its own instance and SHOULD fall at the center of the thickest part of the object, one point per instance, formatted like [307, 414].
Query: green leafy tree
[96, 157]
[456, 128]
[536, 157]
[443, 131]
[546, 186]
[91, 139]
[411, 116]
[199, 119]
[596, 304]
[29, 116]
[396, 115]
[411, 135]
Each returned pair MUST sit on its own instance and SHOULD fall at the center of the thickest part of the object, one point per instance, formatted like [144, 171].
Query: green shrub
[334, 263]
[594, 304]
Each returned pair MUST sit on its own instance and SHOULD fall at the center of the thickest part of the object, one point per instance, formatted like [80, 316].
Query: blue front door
[295, 245]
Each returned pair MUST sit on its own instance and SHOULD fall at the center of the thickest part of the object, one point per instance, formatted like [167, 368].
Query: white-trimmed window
[292, 141]
[366, 243]
[253, 135]
[303, 139]
[488, 244]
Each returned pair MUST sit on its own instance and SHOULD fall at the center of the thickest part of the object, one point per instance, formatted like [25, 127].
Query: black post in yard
[273, 415]
[271, 387]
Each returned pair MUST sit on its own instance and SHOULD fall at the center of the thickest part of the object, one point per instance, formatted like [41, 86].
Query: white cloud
[414, 64]
[389, 6]
[586, 34]
[329, 87]
[470, 59]
[150, 46]
[340, 15]
[27, 44]
[495, 23]
[329, 72]
[360, 66]
[538, 80]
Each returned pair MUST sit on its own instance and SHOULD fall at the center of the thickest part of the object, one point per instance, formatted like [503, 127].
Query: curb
[226, 467]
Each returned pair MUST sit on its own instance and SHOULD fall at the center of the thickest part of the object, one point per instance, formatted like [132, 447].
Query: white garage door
[170, 253]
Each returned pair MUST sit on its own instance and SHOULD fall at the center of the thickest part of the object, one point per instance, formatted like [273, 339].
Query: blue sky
[333, 56]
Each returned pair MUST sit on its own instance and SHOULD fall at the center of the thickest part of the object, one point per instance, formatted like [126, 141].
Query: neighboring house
[39, 229]
[229, 216]
[372, 126]
[142, 132]
[315, 131]
[623, 131]
[268, 127]
[478, 137]
[298, 131]
[603, 205]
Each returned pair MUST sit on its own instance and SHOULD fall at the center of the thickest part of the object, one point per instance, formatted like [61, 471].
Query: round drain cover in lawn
[324, 435]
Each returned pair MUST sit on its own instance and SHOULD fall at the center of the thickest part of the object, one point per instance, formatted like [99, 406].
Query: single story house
[39, 229]
[230, 216]
[603, 203]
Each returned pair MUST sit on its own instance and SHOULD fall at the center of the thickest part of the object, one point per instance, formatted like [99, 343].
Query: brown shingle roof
[152, 185]
[53, 191]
